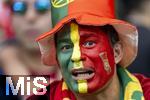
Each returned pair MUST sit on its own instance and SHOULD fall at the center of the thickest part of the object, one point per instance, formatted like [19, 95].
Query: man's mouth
[82, 74]
[32, 32]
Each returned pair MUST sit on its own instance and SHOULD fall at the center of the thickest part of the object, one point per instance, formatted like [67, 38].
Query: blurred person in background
[1, 39]
[20, 55]
[5, 20]
[5, 33]
[5, 27]
[139, 14]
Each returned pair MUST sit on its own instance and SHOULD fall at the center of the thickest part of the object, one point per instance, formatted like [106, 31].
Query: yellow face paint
[82, 86]
[103, 56]
[75, 38]
[76, 56]
[64, 86]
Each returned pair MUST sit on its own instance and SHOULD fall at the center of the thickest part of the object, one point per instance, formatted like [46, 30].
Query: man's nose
[77, 56]
[75, 59]
[31, 15]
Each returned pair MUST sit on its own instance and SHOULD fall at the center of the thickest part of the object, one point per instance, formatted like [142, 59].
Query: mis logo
[60, 3]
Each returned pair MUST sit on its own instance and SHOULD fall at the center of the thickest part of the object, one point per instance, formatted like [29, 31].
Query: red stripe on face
[93, 42]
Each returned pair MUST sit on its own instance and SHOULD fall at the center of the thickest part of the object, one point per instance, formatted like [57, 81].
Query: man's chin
[93, 90]
[101, 88]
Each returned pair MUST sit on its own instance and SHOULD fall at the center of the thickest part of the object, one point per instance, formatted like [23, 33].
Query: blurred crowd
[137, 12]
[21, 21]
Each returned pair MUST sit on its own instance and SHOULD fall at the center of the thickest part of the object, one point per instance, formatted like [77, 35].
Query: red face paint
[96, 54]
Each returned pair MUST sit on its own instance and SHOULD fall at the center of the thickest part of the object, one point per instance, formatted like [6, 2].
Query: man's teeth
[82, 74]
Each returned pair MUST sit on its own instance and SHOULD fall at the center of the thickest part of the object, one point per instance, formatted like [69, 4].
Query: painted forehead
[83, 31]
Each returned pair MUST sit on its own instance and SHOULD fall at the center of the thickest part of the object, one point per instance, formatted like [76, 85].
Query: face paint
[86, 58]
[69, 54]
[64, 47]
[76, 57]
[104, 58]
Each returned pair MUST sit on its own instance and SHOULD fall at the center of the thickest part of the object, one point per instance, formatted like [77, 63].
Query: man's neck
[110, 92]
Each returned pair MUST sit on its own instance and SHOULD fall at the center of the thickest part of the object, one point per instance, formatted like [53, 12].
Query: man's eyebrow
[88, 34]
[65, 40]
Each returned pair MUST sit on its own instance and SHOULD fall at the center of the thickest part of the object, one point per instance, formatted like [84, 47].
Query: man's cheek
[102, 70]
[62, 59]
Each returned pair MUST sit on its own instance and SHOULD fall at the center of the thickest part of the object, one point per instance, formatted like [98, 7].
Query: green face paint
[64, 54]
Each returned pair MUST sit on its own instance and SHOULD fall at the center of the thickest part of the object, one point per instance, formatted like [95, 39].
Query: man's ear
[118, 52]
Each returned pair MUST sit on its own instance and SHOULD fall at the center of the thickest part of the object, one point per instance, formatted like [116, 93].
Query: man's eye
[89, 44]
[65, 48]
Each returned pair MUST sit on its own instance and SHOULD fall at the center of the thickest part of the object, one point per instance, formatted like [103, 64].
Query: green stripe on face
[76, 56]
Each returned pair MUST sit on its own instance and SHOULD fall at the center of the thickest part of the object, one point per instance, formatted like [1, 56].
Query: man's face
[29, 19]
[85, 56]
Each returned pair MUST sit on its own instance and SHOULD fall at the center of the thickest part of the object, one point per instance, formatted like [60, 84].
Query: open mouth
[82, 73]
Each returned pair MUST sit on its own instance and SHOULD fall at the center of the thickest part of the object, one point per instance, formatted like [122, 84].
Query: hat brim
[127, 34]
